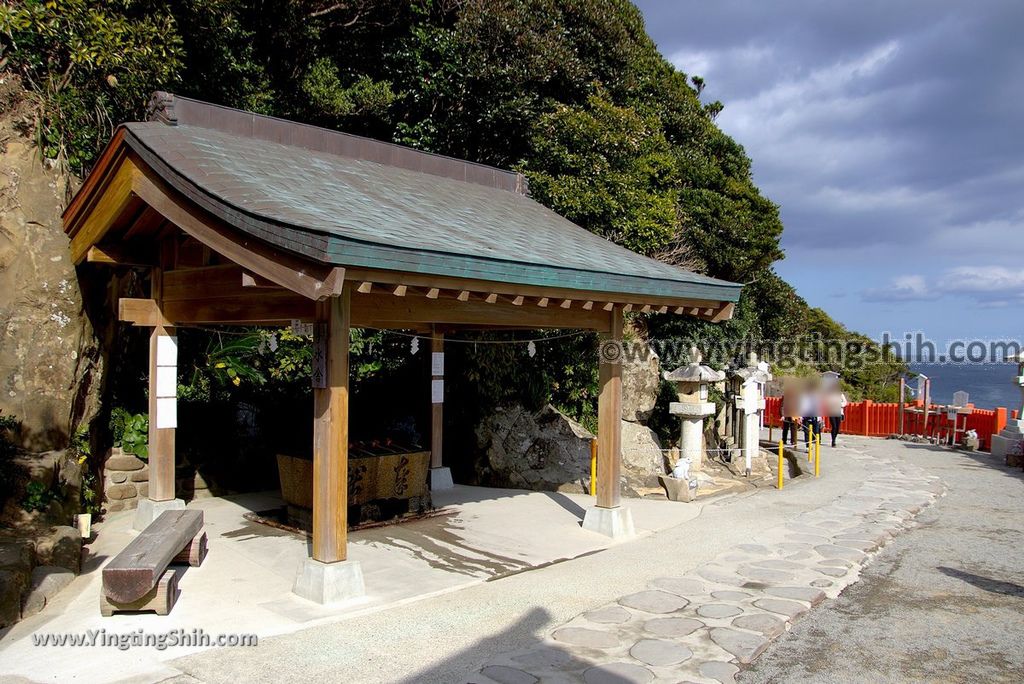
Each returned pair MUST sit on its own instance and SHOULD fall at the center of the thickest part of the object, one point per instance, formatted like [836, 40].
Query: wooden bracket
[141, 312]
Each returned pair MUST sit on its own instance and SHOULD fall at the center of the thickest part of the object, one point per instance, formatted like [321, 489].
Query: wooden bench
[139, 578]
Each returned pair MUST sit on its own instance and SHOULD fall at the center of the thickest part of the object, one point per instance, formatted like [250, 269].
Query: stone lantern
[692, 382]
[746, 393]
[1008, 443]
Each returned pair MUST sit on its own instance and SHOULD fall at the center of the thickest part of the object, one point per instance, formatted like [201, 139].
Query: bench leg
[194, 552]
[160, 598]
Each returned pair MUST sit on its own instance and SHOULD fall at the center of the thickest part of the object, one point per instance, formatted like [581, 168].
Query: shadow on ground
[534, 621]
[985, 583]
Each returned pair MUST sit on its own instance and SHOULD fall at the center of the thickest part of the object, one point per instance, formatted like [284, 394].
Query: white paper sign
[166, 381]
[437, 391]
[437, 364]
[302, 329]
[166, 350]
[751, 397]
[951, 415]
[166, 412]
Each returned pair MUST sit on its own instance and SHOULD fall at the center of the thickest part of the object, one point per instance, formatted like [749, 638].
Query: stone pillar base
[441, 478]
[616, 523]
[149, 510]
[1008, 441]
[327, 583]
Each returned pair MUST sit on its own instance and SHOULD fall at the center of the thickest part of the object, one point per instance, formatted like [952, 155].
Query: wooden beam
[91, 192]
[161, 440]
[662, 309]
[433, 293]
[542, 302]
[399, 290]
[609, 417]
[436, 408]
[365, 287]
[330, 435]
[725, 313]
[115, 255]
[259, 307]
[518, 300]
[566, 303]
[141, 312]
[257, 282]
[463, 296]
[587, 306]
[646, 308]
[513, 289]
[626, 308]
[608, 306]
[491, 298]
[405, 310]
[115, 197]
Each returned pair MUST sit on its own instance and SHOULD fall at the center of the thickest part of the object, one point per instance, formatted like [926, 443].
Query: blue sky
[891, 134]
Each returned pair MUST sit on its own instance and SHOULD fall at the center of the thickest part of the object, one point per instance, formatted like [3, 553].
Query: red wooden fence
[882, 419]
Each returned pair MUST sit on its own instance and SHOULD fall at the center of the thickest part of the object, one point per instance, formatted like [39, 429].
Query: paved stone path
[703, 626]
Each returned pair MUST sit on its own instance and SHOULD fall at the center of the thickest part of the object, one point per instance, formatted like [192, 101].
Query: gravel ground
[943, 602]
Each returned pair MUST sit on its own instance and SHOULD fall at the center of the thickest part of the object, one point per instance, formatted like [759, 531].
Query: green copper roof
[353, 202]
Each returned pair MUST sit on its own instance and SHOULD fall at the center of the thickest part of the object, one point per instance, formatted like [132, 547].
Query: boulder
[61, 547]
[16, 556]
[548, 451]
[642, 461]
[543, 450]
[11, 586]
[49, 360]
[641, 381]
[122, 461]
[121, 491]
[47, 580]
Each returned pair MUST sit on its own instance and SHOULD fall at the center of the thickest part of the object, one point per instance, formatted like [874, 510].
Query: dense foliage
[571, 92]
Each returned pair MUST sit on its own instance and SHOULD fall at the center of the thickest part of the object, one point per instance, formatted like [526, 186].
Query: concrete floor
[245, 583]
[944, 602]
[447, 638]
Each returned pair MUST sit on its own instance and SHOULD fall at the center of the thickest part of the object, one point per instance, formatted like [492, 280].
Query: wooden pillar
[161, 440]
[330, 431]
[609, 415]
[436, 406]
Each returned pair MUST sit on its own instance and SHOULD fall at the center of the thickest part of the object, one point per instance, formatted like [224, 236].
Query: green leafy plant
[37, 496]
[130, 432]
[80, 451]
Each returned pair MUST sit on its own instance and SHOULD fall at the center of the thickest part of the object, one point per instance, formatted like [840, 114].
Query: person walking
[835, 406]
[790, 410]
[811, 412]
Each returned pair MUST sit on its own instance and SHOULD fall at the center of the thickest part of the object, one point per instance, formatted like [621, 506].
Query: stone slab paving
[705, 626]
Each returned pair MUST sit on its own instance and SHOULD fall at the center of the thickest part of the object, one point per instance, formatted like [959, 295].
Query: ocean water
[989, 385]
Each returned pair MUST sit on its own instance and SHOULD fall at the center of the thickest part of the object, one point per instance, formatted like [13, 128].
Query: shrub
[130, 432]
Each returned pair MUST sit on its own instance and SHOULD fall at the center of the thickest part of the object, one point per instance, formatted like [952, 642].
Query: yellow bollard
[817, 457]
[810, 442]
[593, 467]
[781, 459]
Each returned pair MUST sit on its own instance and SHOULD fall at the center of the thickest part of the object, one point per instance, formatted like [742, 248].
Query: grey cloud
[878, 122]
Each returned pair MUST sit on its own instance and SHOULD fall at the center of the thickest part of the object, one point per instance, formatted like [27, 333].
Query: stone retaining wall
[126, 480]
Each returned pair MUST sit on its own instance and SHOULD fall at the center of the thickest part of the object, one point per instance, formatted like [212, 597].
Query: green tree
[90, 64]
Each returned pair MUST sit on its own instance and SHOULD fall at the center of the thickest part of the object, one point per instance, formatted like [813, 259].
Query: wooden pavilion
[247, 219]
